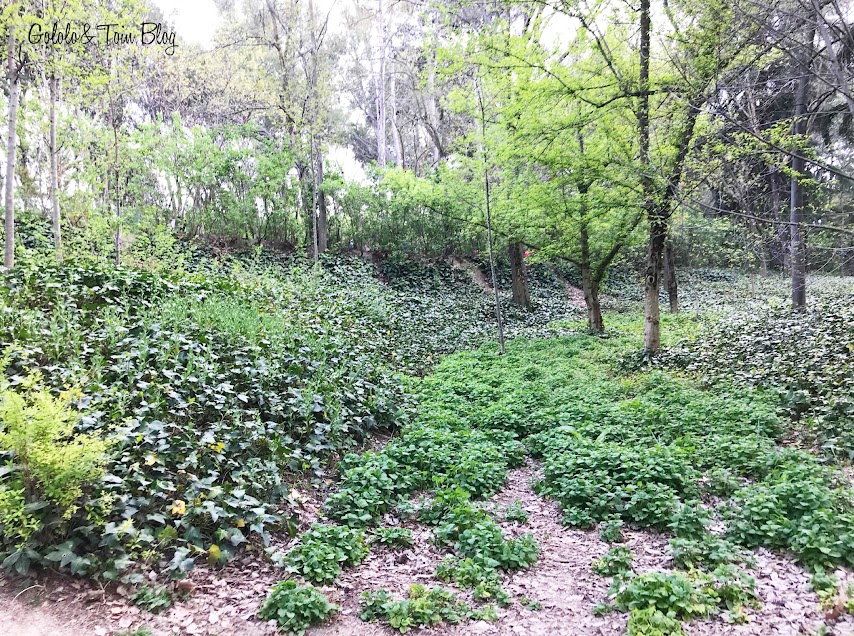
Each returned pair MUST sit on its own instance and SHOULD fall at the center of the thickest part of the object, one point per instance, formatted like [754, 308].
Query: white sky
[195, 21]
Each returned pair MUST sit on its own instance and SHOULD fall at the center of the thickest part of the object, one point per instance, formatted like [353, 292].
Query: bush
[796, 511]
[294, 607]
[515, 512]
[324, 549]
[469, 574]
[393, 537]
[708, 550]
[421, 608]
[652, 622]
[371, 487]
[673, 594]
[594, 481]
[611, 530]
[152, 598]
[51, 488]
[617, 561]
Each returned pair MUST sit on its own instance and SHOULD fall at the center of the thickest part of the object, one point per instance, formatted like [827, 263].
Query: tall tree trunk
[519, 274]
[54, 185]
[670, 280]
[395, 131]
[590, 288]
[657, 224]
[380, 92]
[433, 116]
[796, 190]
[322, 221]
[12, 142]
[781, 228]
[590, 283]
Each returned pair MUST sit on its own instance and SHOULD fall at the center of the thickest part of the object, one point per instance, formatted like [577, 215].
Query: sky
[195, 21]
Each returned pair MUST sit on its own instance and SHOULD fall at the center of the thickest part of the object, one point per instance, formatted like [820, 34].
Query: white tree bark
[12, 142]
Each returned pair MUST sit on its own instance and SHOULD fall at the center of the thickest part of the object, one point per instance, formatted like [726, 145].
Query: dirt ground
[224, 602]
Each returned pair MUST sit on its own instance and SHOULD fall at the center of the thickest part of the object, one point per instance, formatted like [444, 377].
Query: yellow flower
[240, 523]
[214, 553]
[150, 460]
[179, 507]
[217, 448]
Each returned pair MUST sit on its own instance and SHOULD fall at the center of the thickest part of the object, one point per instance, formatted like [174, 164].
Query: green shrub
[51, 486]
[371, 485]
[324, 549]
[707, 551]
[515, 512]
[443, 502]
[154, 598]
[649, 621]
[686, 596]
[672, 594]
[469, 574]
[795, 511]
[485, 543]
[728, 587]
[825, 586]
[393, 537]
[617, 561]
[294, 607]
[721, 482]
[805, 359]
[594, 481]
[611, 530]
[421, 608]
[690, 521]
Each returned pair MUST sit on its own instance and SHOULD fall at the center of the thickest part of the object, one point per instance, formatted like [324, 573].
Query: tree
[12, 75]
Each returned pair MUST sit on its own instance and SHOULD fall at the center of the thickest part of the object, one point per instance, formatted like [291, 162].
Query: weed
[421, 608]
[467, 573]
[672, 594]
[825, 585]
[397, 538]
[617, 561]
[324, 549]
[649, 621]
[294, 607]
[139, 631]
[531, 604]
[611, 530]
[515, 512]
[154, 598]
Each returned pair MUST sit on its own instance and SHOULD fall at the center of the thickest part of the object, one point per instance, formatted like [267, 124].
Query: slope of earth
[562, 485]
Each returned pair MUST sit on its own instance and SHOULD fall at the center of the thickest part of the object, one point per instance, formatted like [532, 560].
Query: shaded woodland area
[362, 317]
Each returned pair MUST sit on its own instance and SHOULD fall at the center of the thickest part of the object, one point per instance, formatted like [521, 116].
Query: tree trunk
[520, 275]
[670, 280]
[657, 225]
[9, 221]
[395, 131]
[780, 226]
[380, 92]
[796, 193]
[322, 222]
[652, 281]
[591, 299]
[54, 185]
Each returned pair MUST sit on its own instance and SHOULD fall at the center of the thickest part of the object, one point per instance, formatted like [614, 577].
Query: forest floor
[673, 451]
[224, 602]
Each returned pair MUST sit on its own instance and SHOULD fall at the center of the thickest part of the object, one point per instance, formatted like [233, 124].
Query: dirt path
[224, 602]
